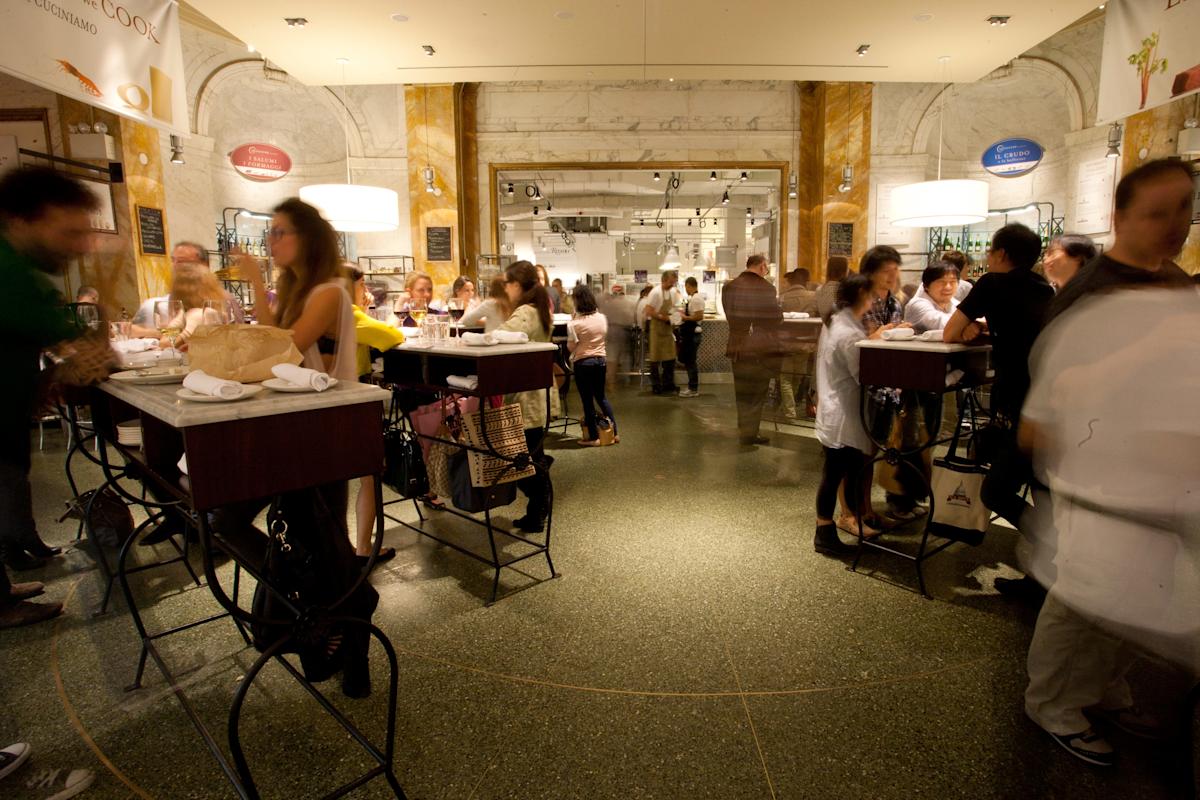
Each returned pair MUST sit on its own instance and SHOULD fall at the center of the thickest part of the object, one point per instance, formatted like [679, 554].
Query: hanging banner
[1150, 55]
[121, 55]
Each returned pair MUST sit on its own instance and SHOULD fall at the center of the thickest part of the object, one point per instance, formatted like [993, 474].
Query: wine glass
[456, 308]
[417, 310]
[217, 312]
[88, 315]
[168, 318]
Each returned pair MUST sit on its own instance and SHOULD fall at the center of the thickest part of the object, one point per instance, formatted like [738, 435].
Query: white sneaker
[688, 393]
[64, 784]
[12, 757]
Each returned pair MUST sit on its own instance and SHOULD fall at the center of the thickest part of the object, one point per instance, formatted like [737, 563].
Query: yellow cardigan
[372, 333]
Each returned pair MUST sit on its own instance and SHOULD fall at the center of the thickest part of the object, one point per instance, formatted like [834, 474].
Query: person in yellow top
[369, 333]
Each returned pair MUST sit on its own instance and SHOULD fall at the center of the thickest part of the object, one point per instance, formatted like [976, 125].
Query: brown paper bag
[242, 353]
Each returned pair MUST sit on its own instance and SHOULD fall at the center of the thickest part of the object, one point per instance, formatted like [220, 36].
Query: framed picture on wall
[104, 218]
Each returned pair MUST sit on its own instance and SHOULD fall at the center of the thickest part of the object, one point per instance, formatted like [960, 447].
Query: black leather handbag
[473, 499]
[404, 464]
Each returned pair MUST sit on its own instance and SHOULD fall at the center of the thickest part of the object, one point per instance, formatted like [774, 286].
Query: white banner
[1151, 55]
[121, 55]
[1094, 184]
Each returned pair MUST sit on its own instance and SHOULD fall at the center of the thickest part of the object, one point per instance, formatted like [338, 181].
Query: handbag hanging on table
[506, 436]
[403, 462]
[957, 495]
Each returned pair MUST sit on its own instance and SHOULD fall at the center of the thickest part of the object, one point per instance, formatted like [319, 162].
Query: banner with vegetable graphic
[1151, 55]
[121, 55]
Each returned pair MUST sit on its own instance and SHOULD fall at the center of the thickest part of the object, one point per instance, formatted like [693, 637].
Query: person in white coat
[839, 426]
[934, 303]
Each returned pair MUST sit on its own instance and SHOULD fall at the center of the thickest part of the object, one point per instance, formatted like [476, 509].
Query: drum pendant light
[931, 204]
[350, 208]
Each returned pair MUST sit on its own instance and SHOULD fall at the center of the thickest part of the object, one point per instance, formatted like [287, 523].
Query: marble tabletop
[458, 350]
[161, 403]
[919, 346]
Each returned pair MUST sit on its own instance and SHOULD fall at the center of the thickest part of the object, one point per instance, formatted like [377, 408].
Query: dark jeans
[841, 464]
[1010, 471]
[689, 347]
[589, 379]
[17, 527]
[751, 378]
[662, 376]
[534, 487]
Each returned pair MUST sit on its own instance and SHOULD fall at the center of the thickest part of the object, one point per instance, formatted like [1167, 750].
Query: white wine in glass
[168, 318]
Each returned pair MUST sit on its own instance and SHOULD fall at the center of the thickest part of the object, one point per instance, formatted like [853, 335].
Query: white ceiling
[483, 40]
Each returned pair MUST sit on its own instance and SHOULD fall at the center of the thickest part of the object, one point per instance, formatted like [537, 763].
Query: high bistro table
[932, 368]
[260, 447]
[501, 369]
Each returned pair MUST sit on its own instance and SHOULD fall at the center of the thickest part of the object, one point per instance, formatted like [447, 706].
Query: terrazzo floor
[693, 646]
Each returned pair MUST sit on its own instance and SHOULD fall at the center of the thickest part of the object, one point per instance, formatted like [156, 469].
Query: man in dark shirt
[1014, 300]
[1153, 211]
[752, 309]
[44, 222]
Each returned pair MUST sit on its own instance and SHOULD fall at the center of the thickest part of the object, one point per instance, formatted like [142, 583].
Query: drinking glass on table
[456, 309]
[88, 315]
[218, 312]
[168, 318]
[417, 310]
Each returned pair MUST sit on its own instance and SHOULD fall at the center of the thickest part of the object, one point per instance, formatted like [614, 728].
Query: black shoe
[168, 527]
[385, 554]
[827, 543]
[748, 440]
[39, 549]
[1023, 588]
[530, 523]
[356, 678]
[20, 561]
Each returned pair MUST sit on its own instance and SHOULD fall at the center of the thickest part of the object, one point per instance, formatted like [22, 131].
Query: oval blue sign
[1009, 158]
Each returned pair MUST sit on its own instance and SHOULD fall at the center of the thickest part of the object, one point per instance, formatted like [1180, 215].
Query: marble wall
[431, 141]
[636, 121]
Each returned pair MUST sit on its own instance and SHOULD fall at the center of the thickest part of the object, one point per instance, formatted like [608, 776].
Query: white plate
[280, 385]
[151, 376]
[187, 394]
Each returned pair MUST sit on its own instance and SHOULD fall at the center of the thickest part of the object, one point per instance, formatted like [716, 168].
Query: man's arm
[961, 329]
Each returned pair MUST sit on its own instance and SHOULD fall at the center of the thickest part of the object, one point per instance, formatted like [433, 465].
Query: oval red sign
[260, 162]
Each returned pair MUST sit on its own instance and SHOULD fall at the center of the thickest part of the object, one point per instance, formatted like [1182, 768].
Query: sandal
[850, 526]
[430, 501]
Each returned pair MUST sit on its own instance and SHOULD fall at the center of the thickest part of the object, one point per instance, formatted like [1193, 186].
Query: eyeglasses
[279, 233]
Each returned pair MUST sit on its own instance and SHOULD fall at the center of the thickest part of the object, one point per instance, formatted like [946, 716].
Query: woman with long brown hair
[311, 299]
[194, 286]
[531, 316]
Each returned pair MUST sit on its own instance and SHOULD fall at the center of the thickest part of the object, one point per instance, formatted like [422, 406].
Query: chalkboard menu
[438, 244]
[150, 229]
[841, 238]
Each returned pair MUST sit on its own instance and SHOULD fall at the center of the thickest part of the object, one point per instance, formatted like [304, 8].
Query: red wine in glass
[457, 313]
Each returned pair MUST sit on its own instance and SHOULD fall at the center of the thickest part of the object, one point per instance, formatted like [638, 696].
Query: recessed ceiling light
[342, 60]
[295, 22]
[862, 50]
[399, 18]
[564, 15]
[926, 17]
[249, 47]
[428, 48]
[997, 21]
[670, 80]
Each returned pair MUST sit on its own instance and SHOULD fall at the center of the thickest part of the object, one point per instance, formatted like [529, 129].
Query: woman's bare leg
[364, 508]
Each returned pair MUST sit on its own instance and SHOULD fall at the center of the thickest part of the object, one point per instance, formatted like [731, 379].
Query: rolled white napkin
[795, 315]
[468, 382]
[477, 339]
[135, 345]
[202, 383]
[931, 336]
[300, 376]
[899, 334]
[509, 337]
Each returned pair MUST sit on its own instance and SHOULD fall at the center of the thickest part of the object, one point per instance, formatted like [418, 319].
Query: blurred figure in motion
[1065, 256]
[44, 223]
[752, 308]
[826, 297]
[620, 311]
[1115, 433]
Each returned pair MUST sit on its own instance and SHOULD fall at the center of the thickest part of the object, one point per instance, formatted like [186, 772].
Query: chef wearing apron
[660, 303]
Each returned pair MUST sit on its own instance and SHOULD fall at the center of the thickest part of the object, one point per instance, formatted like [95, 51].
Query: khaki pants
[1073, 665]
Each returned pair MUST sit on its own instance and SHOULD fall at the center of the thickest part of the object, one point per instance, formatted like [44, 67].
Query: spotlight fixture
[549, 207]
[509, 190]
[176, 150]
[793, 185]
[295, 22]
[689, 223]
[714, 222]
[712, 176]
[847, 179]
[535, 211]
[997, 21]
[428, 175]
[1114, 141]
[725, 199]
[750, 213]
[537, 192]
[657, 178]
[862, 50]
[428, 48]
[743, 177]
[697, 212]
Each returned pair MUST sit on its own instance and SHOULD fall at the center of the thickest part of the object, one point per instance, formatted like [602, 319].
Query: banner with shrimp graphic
[121, 55]
[1150, 55]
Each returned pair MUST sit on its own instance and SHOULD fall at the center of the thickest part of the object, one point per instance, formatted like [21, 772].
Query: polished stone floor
[694, 646]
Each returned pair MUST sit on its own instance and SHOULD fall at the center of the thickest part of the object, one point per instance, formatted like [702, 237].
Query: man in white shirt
[689, 336]
[660, 304]
[934, 303]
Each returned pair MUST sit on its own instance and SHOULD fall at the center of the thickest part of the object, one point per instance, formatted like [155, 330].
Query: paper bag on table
[244, 353]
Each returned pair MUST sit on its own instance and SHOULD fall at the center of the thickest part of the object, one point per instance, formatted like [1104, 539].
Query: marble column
[835, 130]
[1153, 134]
[118, 268]
[466, 140]
[429, 111]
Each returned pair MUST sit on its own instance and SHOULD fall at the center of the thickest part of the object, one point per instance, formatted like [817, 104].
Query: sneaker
[1134, 721]
[1087, 746]
[13, 757]
[688, 393]
[64, 784]
[24, 591]
[23, 612]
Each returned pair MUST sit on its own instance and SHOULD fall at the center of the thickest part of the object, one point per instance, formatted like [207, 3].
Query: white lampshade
[354, 209]
[935, 203]
[671, 259]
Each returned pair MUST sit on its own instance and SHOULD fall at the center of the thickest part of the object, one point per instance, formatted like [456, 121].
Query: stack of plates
[130, 433]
